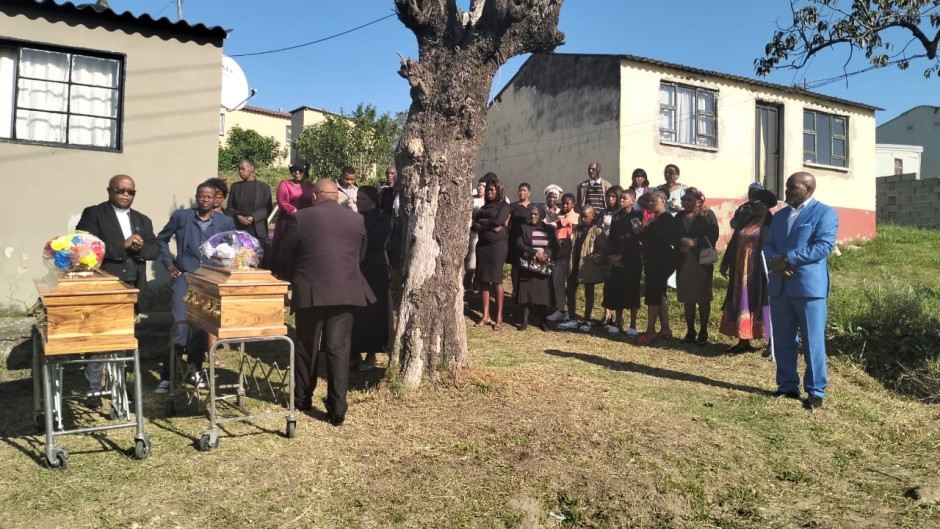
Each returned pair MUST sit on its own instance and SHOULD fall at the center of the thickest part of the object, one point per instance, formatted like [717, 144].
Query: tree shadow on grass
[657, 372]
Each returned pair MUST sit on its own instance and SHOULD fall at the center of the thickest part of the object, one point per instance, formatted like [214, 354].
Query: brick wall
[901, 199]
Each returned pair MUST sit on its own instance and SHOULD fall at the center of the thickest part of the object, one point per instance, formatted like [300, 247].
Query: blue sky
[721, 35]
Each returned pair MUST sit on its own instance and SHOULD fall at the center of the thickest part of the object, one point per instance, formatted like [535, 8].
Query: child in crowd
[588, 258]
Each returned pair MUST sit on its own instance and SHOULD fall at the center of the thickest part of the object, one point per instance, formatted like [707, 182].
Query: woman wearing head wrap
[552, 202]
[697, 230]
[745, 314]
[292, 195]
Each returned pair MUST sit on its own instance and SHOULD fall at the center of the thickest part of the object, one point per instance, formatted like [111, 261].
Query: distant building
[891, 159]
[918, 126]
[87, 93]
[302, 117]
[268, 123]
[562, 111]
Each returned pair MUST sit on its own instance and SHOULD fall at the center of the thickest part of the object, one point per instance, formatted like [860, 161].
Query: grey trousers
[559, 276]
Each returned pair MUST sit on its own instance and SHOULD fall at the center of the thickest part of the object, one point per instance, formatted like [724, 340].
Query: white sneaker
[585, 327]
[631, 332]
[569, 325]
[557, 316]
[163, 387]
[198, 379]
[613, 329]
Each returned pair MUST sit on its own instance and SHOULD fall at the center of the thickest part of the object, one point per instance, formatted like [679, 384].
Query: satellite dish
[234, 85]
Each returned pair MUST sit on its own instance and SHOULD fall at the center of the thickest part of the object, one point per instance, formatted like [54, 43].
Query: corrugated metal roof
[104, 12]
[265, 111]
[747, 80]
[711, 73]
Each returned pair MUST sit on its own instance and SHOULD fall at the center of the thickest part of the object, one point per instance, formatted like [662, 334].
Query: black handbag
[531, 265]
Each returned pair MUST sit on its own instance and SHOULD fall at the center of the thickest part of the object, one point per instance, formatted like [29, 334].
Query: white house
[918, 126]
[892, 159]
[562, 111]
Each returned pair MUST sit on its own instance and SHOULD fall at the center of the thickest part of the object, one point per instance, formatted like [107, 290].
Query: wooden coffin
[89, 313]
[232, 303]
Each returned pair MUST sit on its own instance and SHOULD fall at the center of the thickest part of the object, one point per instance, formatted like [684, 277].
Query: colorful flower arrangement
[234, 249]
[78, 251]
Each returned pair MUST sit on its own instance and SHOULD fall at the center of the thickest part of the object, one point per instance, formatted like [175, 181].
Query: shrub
[893, 331]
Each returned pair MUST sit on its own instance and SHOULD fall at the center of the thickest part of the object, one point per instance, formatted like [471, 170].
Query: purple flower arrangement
[233, 249]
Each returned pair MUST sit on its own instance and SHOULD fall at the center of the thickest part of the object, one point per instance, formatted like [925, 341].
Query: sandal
[497, 326]
[645, 339]
[664, 335]
[217, 361]
[482, 323]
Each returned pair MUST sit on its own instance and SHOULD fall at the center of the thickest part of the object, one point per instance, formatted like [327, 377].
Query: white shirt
[795, 212]
[124, 219]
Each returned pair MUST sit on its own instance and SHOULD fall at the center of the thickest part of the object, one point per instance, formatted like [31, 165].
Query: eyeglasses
[130, 192]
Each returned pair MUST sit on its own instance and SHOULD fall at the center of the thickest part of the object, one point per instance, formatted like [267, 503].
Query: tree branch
[426, 18]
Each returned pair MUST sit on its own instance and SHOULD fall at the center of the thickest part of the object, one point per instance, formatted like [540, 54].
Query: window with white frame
[287, 135]
[56, 96]
[222, 124]
[825, 139]
[688, 115]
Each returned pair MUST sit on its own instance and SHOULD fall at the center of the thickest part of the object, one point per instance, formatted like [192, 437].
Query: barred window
[55, 96]
[688, 115]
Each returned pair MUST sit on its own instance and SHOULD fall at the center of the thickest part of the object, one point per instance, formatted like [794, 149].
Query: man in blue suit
[191, 227]
[797, 250]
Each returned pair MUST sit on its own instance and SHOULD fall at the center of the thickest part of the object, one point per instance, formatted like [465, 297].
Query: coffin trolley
[240, 307]
[83, 313]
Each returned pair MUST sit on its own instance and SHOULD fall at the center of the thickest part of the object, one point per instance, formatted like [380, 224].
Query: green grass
[592, 427]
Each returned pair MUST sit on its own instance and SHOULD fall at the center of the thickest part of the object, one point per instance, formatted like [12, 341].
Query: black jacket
[130, 267]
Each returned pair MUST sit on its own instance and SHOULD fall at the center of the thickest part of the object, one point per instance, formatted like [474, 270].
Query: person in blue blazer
[797, 250]
[191, 227]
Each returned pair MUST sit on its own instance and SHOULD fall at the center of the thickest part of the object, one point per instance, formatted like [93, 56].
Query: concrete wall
[887, 153]
[904, 199]
[918, 126]
[559, 113]
[265, 124]
[170, 143]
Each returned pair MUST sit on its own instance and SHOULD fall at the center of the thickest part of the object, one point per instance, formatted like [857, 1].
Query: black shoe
[522, 326]
[332, 418]
[812, 402]
[689, 337]
[93, 403]
[543, 324]
[795, 395]
[304, 405]
[702, 339]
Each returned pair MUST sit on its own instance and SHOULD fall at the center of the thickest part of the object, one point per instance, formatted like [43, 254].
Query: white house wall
[918, 126]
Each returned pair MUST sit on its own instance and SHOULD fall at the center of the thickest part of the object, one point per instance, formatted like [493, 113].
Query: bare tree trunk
[459, 54]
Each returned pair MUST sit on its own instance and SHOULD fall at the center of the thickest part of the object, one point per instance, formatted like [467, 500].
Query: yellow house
[302, 117]
[562, 111]
[268, 123]
[87, 93]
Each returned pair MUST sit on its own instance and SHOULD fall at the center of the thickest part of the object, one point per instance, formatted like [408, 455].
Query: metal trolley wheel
[206, 442]
[59, 459]
[142, 449]
[291, 431]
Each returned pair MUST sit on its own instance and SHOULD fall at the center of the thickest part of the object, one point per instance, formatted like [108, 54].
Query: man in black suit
[249, 202]
[326, 248]
[128, 241]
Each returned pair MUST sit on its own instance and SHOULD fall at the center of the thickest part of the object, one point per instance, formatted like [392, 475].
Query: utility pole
[179, 10]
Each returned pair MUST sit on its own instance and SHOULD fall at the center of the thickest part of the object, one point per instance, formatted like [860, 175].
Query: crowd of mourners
[635, 241]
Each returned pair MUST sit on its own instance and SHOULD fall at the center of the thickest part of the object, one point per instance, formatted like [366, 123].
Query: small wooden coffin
[232, 303]
[88, 313]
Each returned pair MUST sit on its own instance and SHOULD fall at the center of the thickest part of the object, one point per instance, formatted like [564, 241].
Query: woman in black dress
[538, 243]
[518, 217]
[492, 247]
[659, 263]
[622, 288]
[372, 323]
[697, 229]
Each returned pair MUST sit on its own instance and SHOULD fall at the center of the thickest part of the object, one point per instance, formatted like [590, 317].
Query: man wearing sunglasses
[129, 242]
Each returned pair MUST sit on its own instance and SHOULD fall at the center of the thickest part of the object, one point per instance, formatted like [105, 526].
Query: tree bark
[459, 53]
